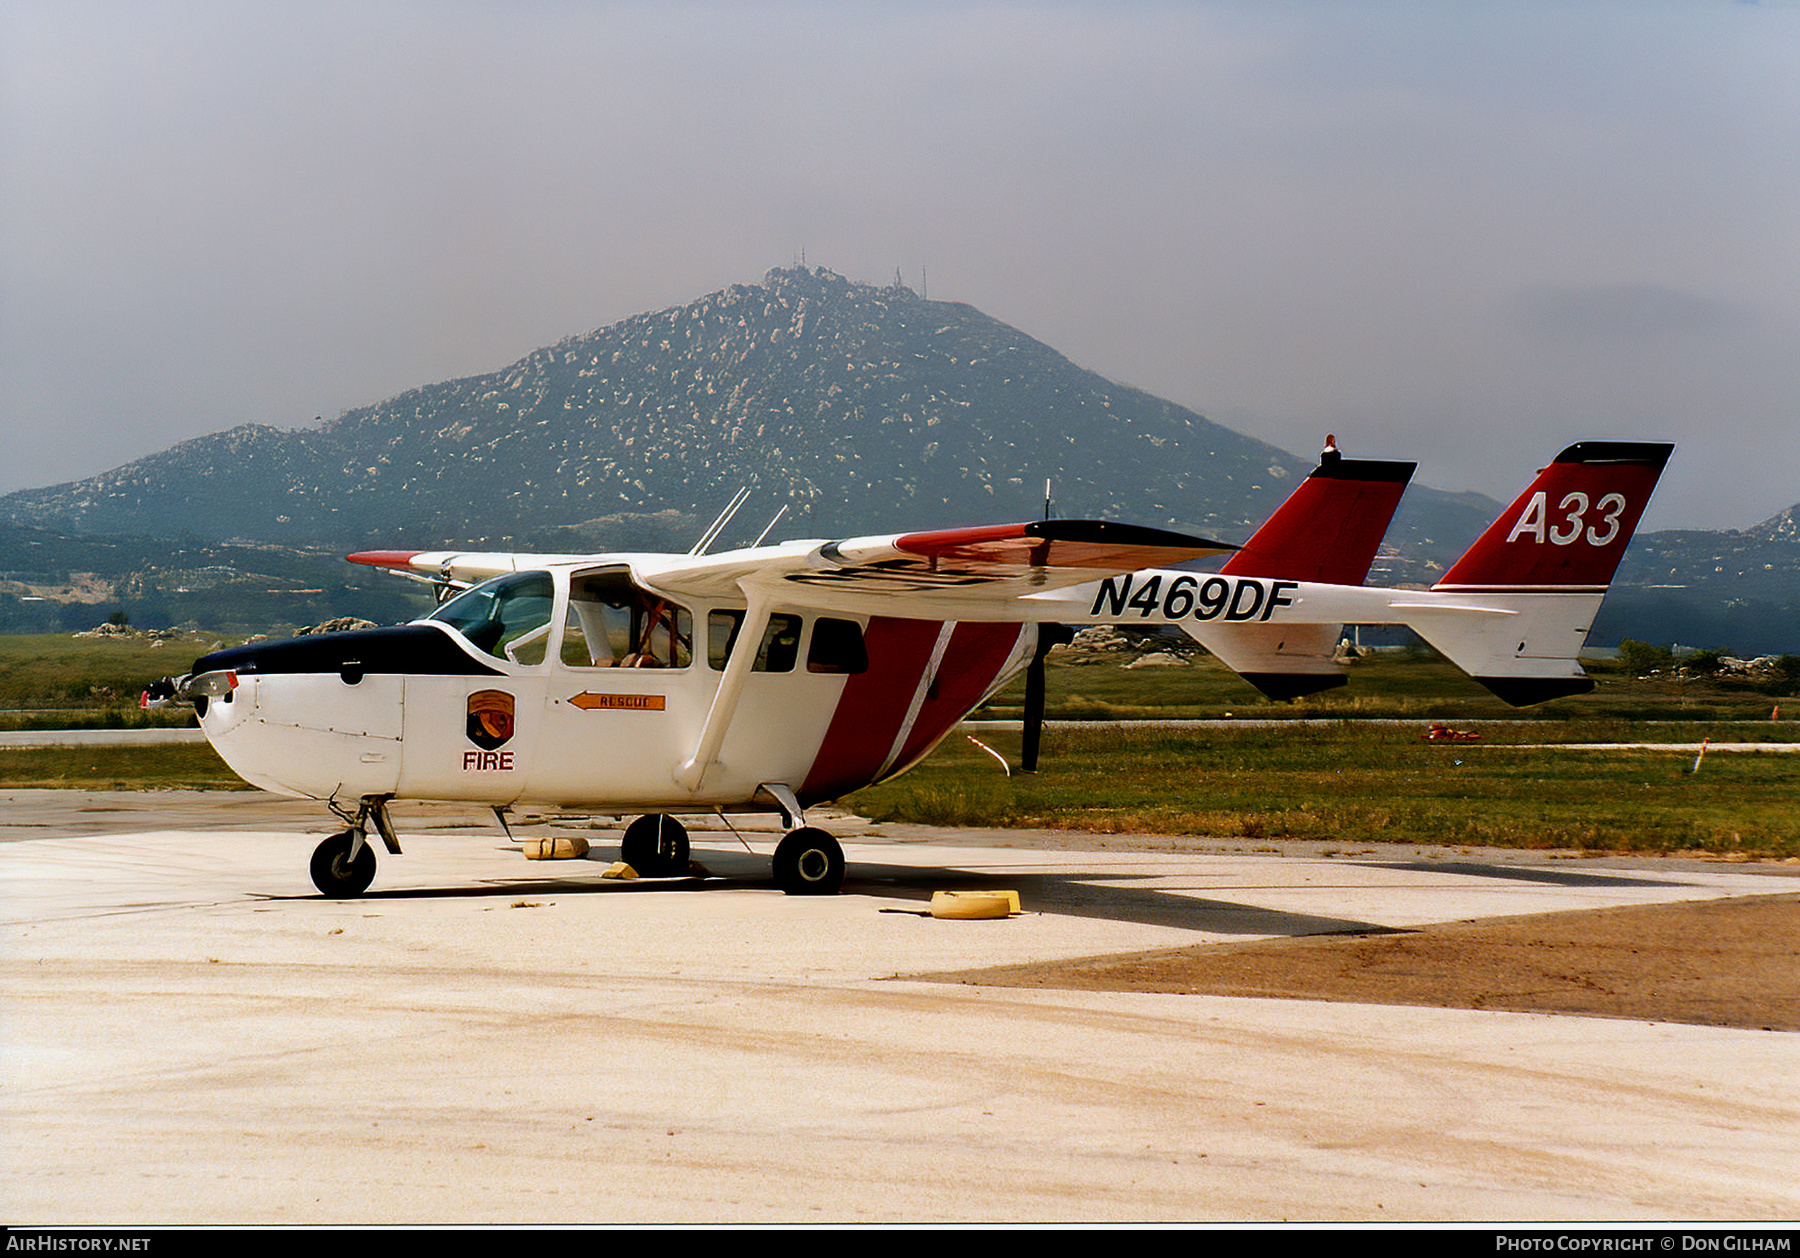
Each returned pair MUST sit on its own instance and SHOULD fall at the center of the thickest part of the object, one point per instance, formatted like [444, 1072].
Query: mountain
[860, 408]
[1738, 589]
[1783, 526]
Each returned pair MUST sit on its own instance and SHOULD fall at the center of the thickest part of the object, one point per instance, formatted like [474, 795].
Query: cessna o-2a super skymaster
[778, 677]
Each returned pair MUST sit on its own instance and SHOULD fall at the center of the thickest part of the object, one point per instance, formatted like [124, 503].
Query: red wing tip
[384, 558]
[935, 541]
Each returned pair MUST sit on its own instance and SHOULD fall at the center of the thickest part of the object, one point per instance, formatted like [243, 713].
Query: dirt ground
[1729, 963]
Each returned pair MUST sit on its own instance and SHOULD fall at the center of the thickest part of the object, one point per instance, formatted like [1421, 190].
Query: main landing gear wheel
[656, 846]
[338, 876]
[809, 862]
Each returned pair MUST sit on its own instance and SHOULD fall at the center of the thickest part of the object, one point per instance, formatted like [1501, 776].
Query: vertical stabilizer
[1328, 531]
[1541, 569]
[1331, 526]
[1569, 529]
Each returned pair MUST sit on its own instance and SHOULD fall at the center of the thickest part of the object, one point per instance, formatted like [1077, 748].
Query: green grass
[1351, 783]
[88, 675]
[1361, 784]
[1405, 687]
[195, 767]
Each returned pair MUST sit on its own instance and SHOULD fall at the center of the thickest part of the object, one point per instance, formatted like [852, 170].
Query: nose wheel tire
[656, 846]
[809, 862]
[338, 876]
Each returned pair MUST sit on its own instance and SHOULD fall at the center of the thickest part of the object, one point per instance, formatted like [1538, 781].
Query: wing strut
[725, 698]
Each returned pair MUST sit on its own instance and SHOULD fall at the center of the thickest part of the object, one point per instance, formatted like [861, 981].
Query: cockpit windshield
[508, 617]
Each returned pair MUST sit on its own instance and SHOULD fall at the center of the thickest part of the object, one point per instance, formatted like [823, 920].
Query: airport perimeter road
[192, 1035]
[15, 738]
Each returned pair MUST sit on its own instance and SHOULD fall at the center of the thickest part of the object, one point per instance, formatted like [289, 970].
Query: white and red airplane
[614, 683]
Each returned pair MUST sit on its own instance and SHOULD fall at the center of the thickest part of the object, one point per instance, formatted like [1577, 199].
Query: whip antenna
[718, 526]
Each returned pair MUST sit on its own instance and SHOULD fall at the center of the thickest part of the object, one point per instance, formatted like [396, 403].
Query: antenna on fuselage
[718, 526]
[770, 526]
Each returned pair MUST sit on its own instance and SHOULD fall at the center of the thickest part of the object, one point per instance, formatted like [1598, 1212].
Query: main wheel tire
[656, 846]
[335, 874]
[809, 862]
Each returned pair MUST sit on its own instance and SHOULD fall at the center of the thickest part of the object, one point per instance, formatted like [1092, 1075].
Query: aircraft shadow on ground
[1099, 894]
[1517, 873]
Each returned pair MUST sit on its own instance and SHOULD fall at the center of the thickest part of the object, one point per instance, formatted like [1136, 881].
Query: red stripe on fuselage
[871, 708]
[973, 661]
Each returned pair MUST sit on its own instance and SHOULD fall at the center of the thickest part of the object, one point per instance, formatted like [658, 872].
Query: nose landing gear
[343, 865]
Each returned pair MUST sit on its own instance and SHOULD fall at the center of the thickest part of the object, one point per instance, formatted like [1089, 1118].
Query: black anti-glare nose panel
[416, 649]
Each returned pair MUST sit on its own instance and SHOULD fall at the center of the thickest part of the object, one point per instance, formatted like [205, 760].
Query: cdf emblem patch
[490, 719]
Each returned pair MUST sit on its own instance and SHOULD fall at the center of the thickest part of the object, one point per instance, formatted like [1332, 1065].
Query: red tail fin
[1326, 532]
[1330, 527]
[1568, 531]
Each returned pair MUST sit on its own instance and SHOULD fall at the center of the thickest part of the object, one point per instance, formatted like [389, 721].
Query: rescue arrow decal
[591, 701]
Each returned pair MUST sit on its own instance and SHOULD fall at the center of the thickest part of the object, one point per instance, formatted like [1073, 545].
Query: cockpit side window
[508, 617]
[615, 623]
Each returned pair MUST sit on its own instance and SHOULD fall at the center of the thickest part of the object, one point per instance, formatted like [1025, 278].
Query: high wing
[1513, 612]
[971, 573]
[984, 564]
[1039, 552]
[455, 569]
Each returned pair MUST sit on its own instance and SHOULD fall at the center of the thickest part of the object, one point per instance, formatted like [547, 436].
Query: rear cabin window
[837, 647]
[613, 622]
[779, 648]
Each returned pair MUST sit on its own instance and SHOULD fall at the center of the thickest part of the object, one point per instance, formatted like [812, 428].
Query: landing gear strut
[808, 861]
[656, 846]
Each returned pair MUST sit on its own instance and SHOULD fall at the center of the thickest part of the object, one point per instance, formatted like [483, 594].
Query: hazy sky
[1461, 232]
